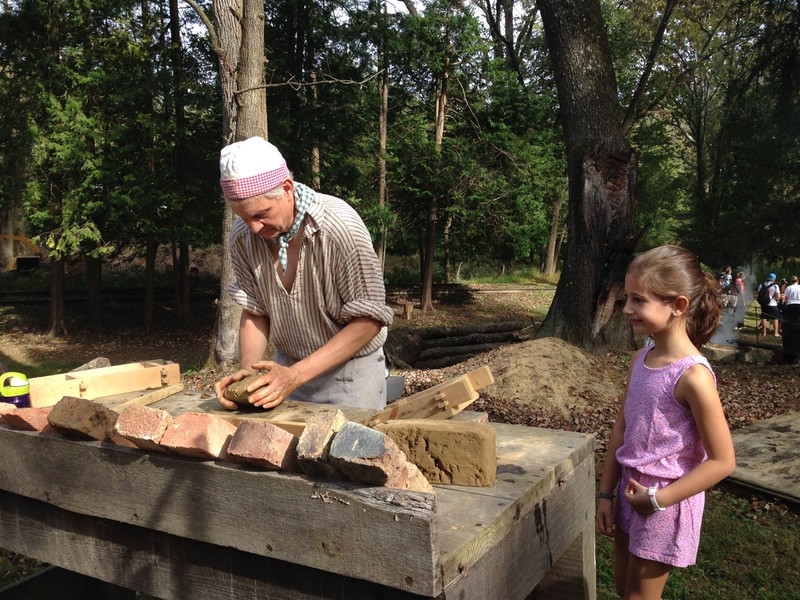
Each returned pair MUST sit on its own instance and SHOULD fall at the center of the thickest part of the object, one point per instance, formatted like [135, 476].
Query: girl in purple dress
[671, 441]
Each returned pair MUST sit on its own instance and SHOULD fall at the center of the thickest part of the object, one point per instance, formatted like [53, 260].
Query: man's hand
[219, 388]
[274, 386]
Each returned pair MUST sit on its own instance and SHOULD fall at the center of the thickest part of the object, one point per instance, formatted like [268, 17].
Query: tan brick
[446, 451]
[315, 442]
[237, 391]
[82, 418]
[263, 444]
[368, 456]
[29, 419]
[143, 426]
[198, 435]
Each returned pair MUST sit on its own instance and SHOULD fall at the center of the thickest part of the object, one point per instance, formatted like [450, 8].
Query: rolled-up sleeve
[247, 289]
[361, 284]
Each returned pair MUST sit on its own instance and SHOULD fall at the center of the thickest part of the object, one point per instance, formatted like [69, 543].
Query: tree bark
[150, 281]
[184, 298]
[383, 136]
[58, 325]
[426, 304]
[602, 173]
[552, 256]
[94, 269]
[240, 47]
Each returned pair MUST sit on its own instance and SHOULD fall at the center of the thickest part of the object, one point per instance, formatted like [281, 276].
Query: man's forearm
[253, 337]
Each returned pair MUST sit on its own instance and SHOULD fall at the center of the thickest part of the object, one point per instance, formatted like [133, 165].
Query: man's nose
[256, 226]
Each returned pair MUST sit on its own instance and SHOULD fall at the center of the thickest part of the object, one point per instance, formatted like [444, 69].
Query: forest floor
[542, 383]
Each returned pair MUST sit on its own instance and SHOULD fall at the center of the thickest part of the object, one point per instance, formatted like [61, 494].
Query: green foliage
[78, 239]
[89, 132]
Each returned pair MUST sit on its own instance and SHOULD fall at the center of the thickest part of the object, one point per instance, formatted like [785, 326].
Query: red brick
[6, 408]
[263, 444]
[83, 418]
[29, 419]
[143, 426]
[198, 435]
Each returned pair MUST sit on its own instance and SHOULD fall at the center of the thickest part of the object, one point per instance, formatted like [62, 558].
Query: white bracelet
[651, 491]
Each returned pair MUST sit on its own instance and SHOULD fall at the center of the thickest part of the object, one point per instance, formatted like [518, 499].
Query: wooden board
[470, 525]
[440, 401]
[106, 381]
[119, 402]
[768, 457]
[351, 530]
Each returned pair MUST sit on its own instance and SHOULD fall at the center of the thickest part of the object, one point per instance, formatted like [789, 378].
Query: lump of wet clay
[237, 391]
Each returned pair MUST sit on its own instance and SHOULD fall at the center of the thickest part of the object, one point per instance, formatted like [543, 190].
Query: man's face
[267, 217]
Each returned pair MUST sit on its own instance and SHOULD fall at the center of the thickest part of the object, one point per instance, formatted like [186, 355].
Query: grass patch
[750, 548]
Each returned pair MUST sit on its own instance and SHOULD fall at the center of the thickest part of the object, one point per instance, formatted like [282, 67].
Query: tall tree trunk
[94, 269]
[383, 136]
[239, 44]
[58, 326]
[150, 281]
[550, 260]
[426, 304]
[602, 172]
[313, 98]
[184, 297]
[179, 158]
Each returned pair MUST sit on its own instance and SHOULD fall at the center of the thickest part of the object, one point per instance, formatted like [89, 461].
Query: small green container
[15, 389]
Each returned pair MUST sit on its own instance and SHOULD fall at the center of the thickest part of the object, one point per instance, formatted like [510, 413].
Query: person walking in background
[671, 441]
[741, 307]
[768, 294]
[792, 294]
[782, 299]
[307, 279]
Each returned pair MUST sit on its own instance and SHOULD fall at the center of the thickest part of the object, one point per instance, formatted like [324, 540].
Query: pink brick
[6, 408]
[143, 426]
[263, 444]
[198, 435]
[29, 419]
[82, 418]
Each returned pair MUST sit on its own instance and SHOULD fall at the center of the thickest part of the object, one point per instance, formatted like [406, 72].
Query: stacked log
[446, 346]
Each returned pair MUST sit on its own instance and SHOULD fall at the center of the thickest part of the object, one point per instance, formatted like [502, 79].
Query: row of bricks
[329, 447]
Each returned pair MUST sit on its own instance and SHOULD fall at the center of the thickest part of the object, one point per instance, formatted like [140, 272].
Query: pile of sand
[549, 373]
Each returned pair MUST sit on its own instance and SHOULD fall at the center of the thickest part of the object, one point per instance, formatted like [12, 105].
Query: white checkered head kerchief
[251, 168]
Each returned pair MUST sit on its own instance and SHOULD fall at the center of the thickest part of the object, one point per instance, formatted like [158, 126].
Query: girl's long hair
[672, 271]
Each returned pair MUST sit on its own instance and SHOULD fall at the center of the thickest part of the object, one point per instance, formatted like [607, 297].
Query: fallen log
[443, 332]
[445, 351]
[471, 339]
[440, 363]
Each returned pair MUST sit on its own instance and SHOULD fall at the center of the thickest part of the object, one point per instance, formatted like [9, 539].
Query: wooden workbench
[178, 528]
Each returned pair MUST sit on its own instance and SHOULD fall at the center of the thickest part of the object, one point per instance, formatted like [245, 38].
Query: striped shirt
[338, 278]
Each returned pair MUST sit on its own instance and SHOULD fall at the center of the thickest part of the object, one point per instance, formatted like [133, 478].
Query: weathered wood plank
[332, 526]
[520, 548]
[544, 464]
[119, 402]
[166, 566]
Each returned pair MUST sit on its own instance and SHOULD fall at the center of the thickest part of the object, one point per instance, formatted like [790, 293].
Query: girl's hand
[637, 497]
[605, 517]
